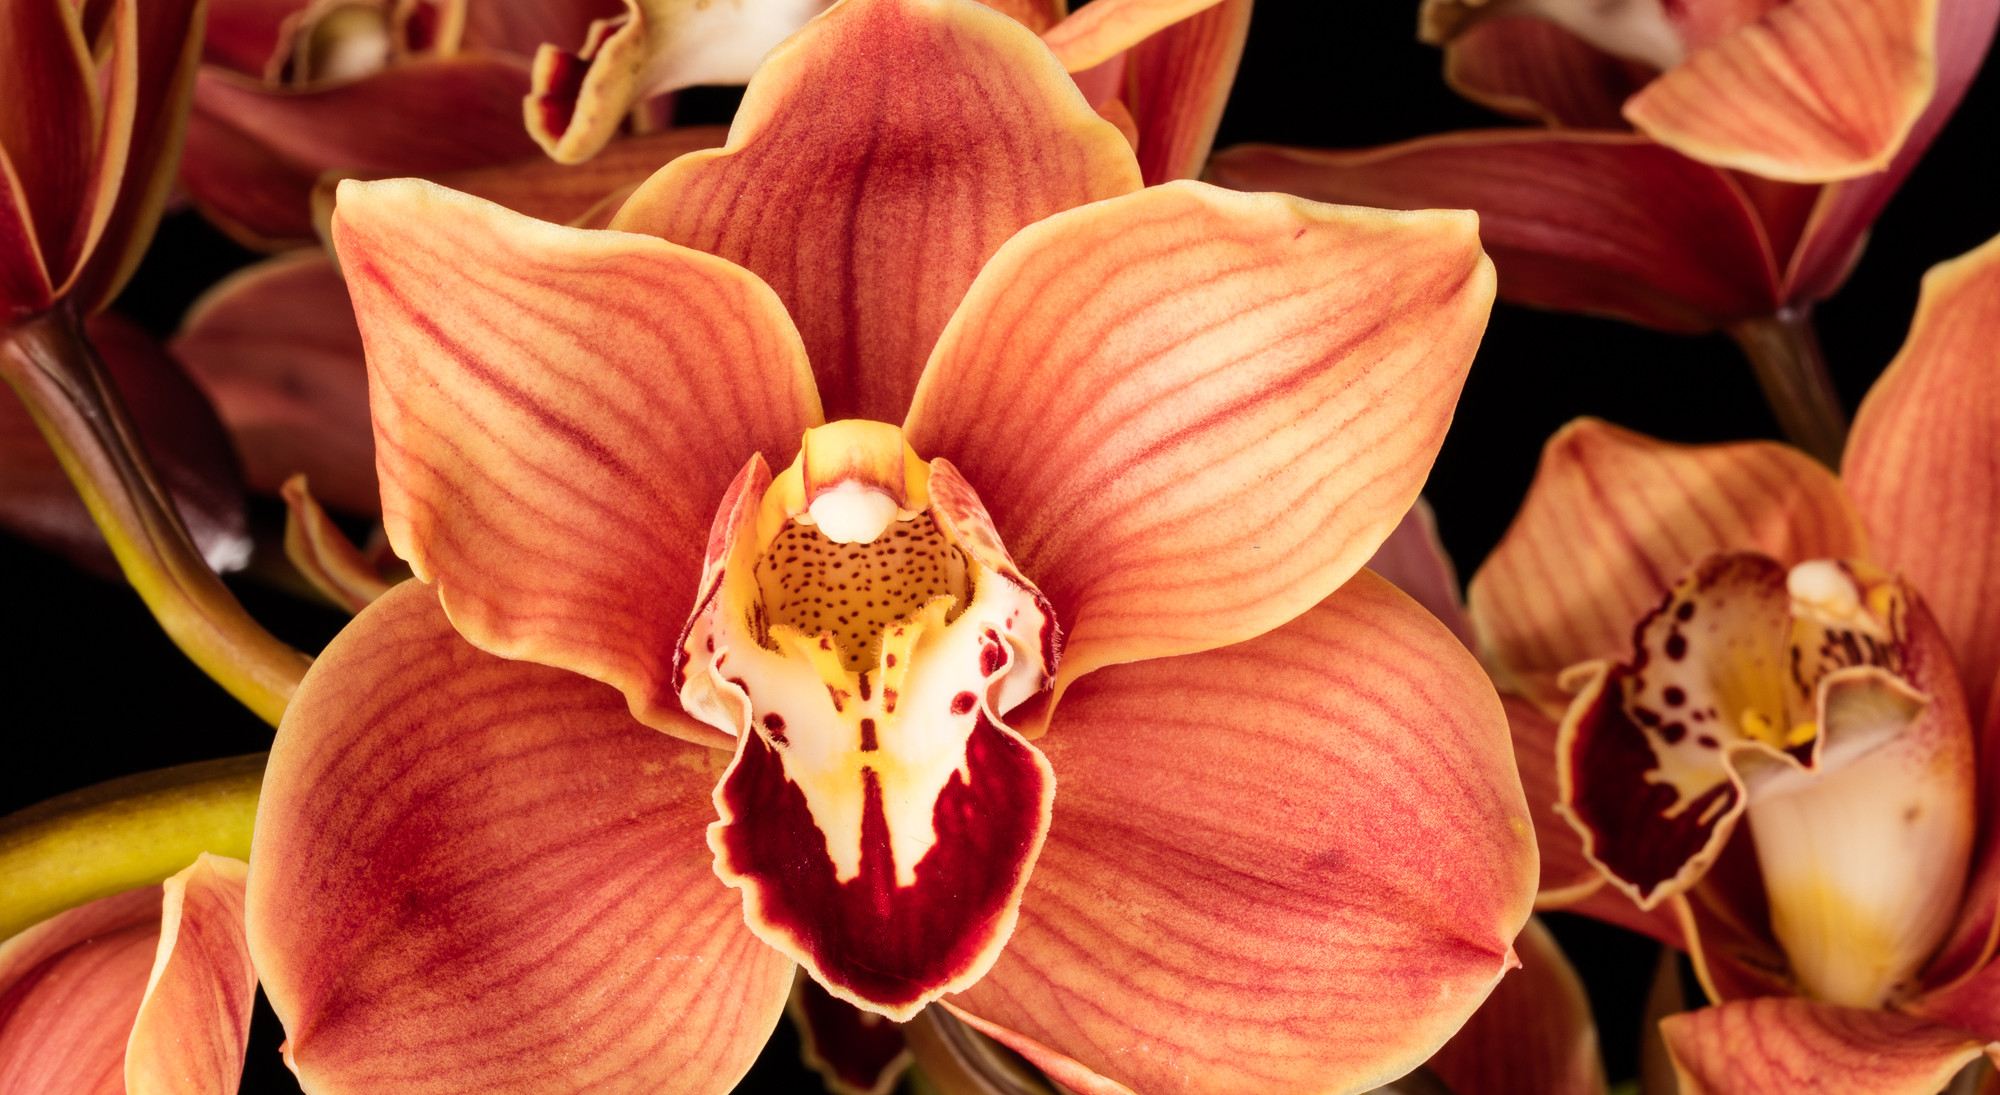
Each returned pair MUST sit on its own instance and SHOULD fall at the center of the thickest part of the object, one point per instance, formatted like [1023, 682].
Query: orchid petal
[166, 52]
[440, 827]
[557, 413]
[1174, 440]
[1614, 517]
[1533, 1036]
[1413, 560]
[194, 1021]
[179, 430]
[1036, 15]
[49, 128]
[276, 349]
[254, 152]
[1814, 91]
[580, 99]
[1294, 864]
[1107, 28]
[1725, 928]
[1567, 874]
[1534, 69]
[1603, 223]
[892, 203]
[25, 287]
[1180, 80]
[1779, 1045]
[323, 555]
[1914, 463]
[242, 34]
[69, 988]
[856, 1052]
[521, 26]
[1840, 220]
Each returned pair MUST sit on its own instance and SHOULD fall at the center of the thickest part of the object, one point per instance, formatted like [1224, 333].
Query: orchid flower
[1147, 438]
[93, 99]
[1672, 233]
[110, 978]
[390, 87]
[1159, 69]
[1781, 752]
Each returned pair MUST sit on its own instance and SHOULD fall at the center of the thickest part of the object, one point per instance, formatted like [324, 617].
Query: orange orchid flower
[1137, 469]
[1781, 754]
[1745, 196]
[124, 965]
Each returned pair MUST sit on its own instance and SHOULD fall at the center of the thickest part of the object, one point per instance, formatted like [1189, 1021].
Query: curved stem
[123, 834]
[58, 375]
[1785, 354]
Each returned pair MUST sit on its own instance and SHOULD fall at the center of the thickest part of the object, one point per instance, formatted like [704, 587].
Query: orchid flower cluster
[938, 561]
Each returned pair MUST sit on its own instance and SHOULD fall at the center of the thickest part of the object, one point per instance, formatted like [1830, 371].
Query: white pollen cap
[1821, 590]
[852, 513]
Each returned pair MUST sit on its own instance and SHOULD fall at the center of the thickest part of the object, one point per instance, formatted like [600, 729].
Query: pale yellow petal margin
[1817, 90]
[1100, 31]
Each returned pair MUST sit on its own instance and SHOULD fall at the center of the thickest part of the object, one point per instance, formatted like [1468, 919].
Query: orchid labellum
[1763, 154]
[1781, 752]
[1034, 677]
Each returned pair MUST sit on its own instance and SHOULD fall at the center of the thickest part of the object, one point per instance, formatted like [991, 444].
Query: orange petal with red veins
[193, 1026]
[323, 555]
[1916, 461]
[254, 153]
[1108, 27]
[480, 874]
[1534, 69]
[1533, 1036]
[1413, 559]
[1180, 79]
[1611, 521]
[557, 413]
[1609, 224]
[856, 1052]
[892, 201]
[180, 432]
[1294, 864]
[275, 348]
[1779, 1045]
[1175, 441]
[69, 988]
[1814, 91]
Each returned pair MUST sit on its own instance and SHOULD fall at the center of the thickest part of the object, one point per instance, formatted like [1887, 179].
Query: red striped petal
[1533, 1036]
[1294, 864]
[1613, 518]
[51, 113]
[1413, 559]
[904, 141]
[276, 350]
[69, 988]
[1780, 1045]
[1534, 69]
[1815, 90]
[1107, 28]
[25, 287]
[194, 1023]
[557, 413]
[1916, 466]
[322, 553]
[480, 874]
[1176, 442]
[1179, 80]
[1602, 223]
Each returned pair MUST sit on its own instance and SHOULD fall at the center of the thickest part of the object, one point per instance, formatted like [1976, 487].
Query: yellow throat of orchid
[860, 616]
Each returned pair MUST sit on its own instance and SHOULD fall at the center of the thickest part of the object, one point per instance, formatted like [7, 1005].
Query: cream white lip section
[919, 745]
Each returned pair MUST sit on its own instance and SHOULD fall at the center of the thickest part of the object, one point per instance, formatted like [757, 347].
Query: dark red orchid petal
[474, 874]
[1532, 68]
[241, 35]
[1581, 222]
[50, 117]
[892, 202]
[856, 1052]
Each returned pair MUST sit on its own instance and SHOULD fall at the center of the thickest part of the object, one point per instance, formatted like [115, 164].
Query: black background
[92, 690]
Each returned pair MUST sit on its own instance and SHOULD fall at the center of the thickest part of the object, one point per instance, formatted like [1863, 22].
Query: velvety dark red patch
[855, 1047]
[882, 942]
[1627, 814]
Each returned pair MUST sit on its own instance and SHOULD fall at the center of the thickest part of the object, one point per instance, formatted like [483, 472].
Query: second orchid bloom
[1041, 683]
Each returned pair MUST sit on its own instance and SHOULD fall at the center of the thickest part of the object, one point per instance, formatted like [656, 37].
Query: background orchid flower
[1585, 217]
[1853, 959]
[92, 105]
[577, 434]
[110, 978]
[289, 92]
